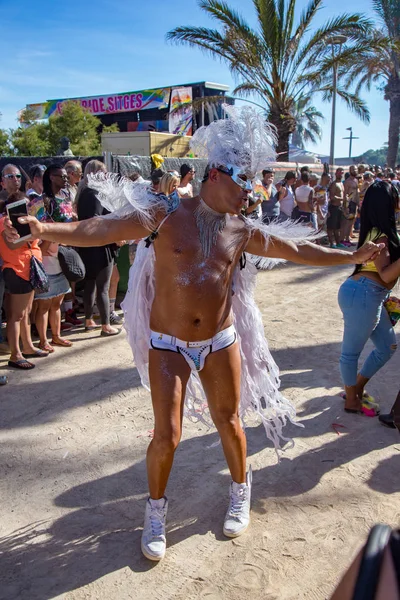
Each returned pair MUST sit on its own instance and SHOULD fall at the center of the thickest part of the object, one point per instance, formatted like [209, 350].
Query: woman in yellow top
[362, 297]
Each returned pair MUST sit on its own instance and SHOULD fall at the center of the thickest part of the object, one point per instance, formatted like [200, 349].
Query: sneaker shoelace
[157, 517]
[238, 500]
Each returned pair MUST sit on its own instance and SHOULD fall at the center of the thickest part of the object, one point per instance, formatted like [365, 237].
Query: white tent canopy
[299, 155]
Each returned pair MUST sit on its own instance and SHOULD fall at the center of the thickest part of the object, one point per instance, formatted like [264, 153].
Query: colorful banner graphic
[107, 105]
[181, 111]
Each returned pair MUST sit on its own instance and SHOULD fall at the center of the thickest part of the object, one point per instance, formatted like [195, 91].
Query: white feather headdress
[245, 140]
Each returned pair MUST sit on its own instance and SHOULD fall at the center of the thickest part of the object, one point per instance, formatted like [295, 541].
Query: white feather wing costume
[244, 140]
[260, 393]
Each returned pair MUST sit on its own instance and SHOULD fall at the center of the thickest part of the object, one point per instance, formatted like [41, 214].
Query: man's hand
[11, 234]
[368, 252]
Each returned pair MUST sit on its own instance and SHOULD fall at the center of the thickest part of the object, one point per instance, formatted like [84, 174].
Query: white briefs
[195, 353]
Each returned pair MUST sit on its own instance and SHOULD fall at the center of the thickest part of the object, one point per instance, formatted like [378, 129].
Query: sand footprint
[251, 578]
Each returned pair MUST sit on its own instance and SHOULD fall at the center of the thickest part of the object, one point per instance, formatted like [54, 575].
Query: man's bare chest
[179, 246]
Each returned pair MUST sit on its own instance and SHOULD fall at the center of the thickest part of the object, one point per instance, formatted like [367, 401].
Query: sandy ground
[72, 474]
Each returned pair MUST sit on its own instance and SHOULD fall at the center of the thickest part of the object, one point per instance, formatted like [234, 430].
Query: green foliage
[5, 145]
[110, 128]
[79, 125]
[376, 157]
[31, 140]
[43, 139]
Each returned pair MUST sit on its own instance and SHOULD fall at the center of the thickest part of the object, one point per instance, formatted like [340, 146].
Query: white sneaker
[153, 536]
[115, 319]
[237, 518]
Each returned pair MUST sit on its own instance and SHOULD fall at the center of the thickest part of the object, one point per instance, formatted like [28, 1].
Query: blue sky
[63, 49]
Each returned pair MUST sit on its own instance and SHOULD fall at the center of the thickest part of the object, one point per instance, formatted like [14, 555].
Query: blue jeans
[365, 317]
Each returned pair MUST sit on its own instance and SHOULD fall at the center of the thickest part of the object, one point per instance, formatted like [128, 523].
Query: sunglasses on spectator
[59, 175]
[12, 176]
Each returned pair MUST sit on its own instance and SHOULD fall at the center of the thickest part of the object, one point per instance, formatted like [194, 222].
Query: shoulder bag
[71, 264]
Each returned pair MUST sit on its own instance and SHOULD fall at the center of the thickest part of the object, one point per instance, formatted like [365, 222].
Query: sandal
[37, 354]
[61, 342]
[47, 348]
[22, 364]
[110, 333]
[367, 399]
[366, 409]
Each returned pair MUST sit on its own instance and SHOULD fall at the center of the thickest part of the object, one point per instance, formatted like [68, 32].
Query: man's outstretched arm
[309, 254]
[91, 232]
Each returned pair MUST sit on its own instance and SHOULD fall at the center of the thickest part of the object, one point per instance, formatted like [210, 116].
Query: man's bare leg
[221, 381]
[169, 374]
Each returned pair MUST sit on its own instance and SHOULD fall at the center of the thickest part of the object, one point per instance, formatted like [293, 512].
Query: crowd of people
[335, 207]
[331, 206]
[60, 194]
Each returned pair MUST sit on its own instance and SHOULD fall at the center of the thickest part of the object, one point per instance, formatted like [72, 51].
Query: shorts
[304, 217]
[334, 221]
[58, 286]
[14, 284]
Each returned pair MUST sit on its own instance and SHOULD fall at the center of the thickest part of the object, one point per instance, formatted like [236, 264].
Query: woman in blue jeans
[362, 297]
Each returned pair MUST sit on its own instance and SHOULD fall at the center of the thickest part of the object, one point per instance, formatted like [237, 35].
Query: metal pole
[351, 141]
[350, 138]
[333, 123]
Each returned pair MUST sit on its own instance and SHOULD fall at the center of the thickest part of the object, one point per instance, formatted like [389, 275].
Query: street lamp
[337, 40]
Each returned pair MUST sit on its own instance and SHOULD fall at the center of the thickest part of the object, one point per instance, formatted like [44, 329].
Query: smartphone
[14, 211]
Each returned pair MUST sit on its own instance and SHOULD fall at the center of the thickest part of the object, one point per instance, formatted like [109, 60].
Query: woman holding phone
[16, 271]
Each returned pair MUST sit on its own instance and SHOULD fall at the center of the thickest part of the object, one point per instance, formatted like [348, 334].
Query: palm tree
[381, 65]
[307, 129]
[273, 60]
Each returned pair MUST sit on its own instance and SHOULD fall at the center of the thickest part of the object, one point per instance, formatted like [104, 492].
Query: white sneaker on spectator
[237, 518]
[115, 319]
[153, 535]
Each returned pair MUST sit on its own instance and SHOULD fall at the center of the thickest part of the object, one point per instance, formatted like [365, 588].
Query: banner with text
[107, 105]
[181, 111]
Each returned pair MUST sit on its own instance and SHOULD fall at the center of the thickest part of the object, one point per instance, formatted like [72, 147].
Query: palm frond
[305, 21]
[247, 90]
[307, 127]
[353, 102]
[225, 15]
[268, 21]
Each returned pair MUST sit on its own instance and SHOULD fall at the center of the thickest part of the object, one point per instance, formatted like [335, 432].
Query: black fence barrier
[126, 165]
